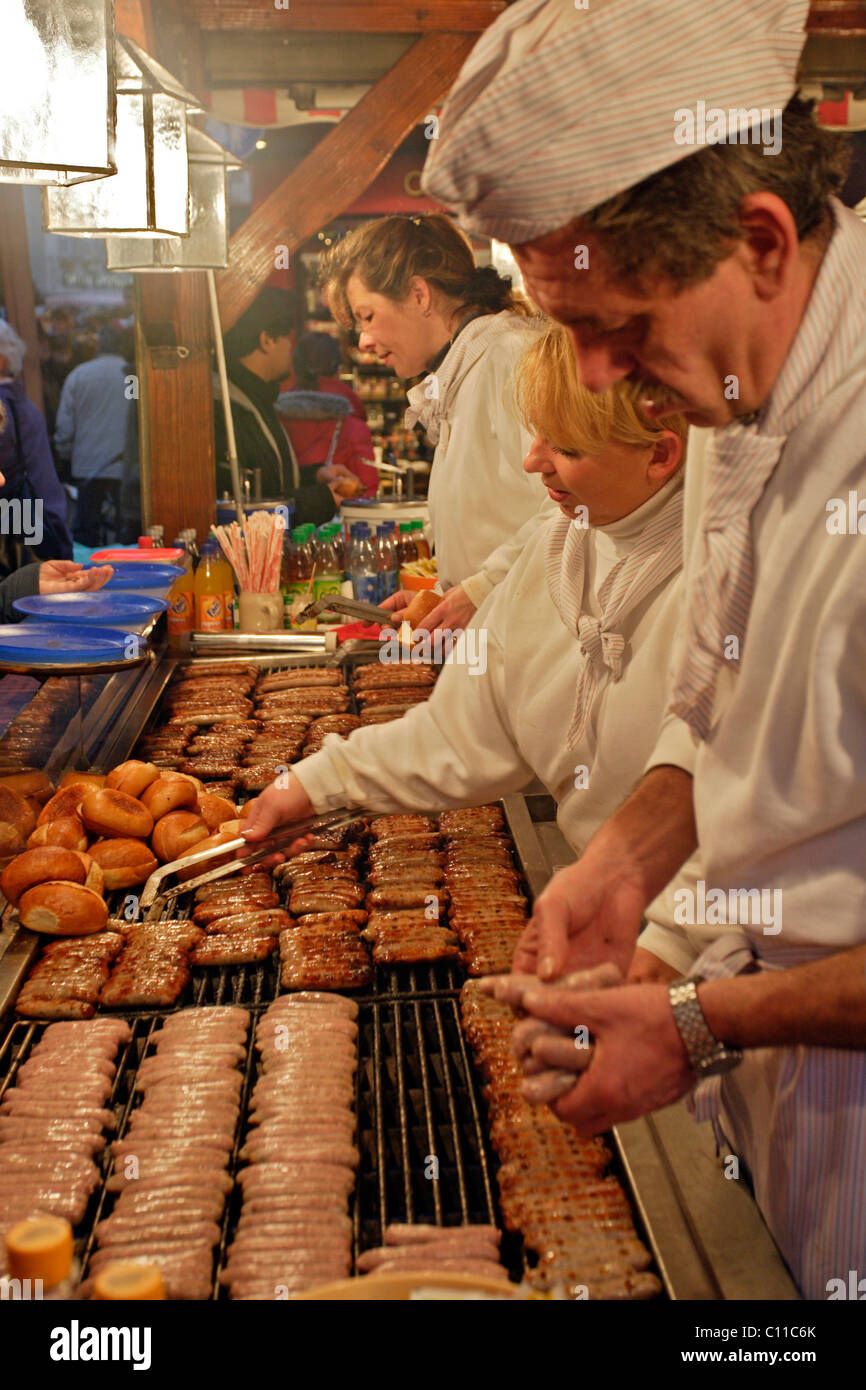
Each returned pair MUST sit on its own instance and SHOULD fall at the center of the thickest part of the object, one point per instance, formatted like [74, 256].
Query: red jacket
[311, 439]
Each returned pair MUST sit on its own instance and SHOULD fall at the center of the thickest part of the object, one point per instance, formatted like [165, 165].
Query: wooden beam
[276, 60]
[133, 19]
[349, 16]
[17, 281]
[340, 167]
[178, 472]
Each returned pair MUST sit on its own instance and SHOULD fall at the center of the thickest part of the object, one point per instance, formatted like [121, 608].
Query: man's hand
[67, 576]
[278, 805]
[589, 912]
[637, 1062]
[332, 472]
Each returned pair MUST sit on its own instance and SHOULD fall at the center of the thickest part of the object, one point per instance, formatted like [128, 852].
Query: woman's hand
[454, 613]
[281, 803]
[67, 576]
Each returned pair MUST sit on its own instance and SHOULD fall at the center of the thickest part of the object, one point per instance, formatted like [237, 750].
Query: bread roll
[62, 909]
[34, 785]
[123, 862]
[115, 813]
[38, 866]
[66, 802]
[178, 833]
[214, 810]
[92, 780]
[11, 843]
[67, 831]
[219, 837]
[132, 777]
[423, 603]
[14, 809]
[95, 878]
[168, 794]
[171, 775]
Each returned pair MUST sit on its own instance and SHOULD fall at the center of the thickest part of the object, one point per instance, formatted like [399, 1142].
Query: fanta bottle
[181, 602]
[209, 593]
[225, 578]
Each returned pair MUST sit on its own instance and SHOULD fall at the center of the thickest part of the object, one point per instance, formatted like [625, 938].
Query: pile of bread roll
[97, 834]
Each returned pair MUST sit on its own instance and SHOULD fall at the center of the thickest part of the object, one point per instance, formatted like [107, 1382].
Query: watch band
[707, 1055]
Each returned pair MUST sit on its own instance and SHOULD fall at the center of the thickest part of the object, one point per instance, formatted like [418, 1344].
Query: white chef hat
[559, 107]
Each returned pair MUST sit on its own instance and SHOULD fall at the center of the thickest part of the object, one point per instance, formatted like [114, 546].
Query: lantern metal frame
[149, 194]
[61, 135]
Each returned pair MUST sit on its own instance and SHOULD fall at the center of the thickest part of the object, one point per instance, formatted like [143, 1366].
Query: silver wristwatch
[707, 1056]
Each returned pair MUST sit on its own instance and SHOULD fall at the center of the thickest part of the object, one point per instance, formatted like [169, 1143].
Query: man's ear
[265, 341]
[666, 456]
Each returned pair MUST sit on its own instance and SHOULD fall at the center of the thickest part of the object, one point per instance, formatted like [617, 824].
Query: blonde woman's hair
[385, 255]
[554, 404]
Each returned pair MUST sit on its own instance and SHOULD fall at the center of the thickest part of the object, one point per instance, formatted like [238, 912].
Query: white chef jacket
[780, 782]
[483, 506]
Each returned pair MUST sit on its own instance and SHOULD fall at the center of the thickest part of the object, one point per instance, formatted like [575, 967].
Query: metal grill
[421, 1121]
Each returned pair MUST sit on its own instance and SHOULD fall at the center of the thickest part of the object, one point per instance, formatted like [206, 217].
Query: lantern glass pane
[56, 92]
[137, 199]
[206, 247]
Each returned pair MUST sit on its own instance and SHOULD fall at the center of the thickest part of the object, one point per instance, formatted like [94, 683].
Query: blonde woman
[411, 288]
[578, 639]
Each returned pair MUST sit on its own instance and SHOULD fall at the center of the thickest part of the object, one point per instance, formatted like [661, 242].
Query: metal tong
[281, 838]
[351, 607]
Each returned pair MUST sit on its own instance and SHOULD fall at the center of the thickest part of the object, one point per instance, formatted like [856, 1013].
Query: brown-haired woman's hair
[387, 253]
[568, 416]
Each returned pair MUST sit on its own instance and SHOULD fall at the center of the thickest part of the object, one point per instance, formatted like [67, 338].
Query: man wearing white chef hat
[670, 201]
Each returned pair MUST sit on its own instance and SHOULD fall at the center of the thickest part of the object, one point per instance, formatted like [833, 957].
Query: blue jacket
[28, 467]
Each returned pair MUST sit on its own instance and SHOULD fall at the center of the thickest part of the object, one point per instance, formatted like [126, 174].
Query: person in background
[50, 577]
[30, 477]
[258, 352]
[316, 362]
[91, 432]
[412, 289]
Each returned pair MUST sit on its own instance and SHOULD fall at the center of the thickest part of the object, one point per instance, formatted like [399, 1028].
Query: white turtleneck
[482, 736]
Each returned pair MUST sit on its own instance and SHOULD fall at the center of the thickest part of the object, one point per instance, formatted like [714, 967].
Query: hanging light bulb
[57, 91]
[206, 247]
[149, 194]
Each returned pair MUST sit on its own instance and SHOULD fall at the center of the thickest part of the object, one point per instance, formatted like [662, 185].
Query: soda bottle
[181, 602]
[288, 575]
[387, 558]
[420, 540]
[408, 550]
[209, 600]
[363, 565]
[224, 577]
[328, 574]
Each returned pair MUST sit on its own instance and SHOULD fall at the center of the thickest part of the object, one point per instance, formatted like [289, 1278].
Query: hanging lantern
[149, 194]
[56, 91]
[207, 246]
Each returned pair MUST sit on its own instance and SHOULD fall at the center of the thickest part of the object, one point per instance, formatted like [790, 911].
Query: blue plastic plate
[130, 575]
[98, 607]
[49, 642]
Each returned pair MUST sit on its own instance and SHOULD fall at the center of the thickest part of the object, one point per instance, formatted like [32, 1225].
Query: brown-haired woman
[411, 287]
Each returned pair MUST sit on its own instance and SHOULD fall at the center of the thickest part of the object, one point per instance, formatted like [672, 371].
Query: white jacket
[479, 496]
[483, 735]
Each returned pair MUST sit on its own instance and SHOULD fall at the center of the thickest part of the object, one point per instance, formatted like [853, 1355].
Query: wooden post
[178, 471]
[340, 167]
[18, 285]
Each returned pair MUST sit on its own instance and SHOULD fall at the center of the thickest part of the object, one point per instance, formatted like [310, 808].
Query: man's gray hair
[12, 348]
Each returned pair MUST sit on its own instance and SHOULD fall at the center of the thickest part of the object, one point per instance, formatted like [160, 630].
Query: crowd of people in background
[78, 455]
